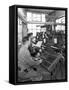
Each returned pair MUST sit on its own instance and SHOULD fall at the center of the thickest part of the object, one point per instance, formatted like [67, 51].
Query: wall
[59, 14]
[22, 16]
[56, 14]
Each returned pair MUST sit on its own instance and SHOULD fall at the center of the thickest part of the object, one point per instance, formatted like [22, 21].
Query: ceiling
[40, 11]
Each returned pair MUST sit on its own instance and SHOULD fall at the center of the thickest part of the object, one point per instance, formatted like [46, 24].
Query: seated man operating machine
[26, 62]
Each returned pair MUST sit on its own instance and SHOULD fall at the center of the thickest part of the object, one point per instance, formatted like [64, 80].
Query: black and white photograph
[34, 48]
[41, 44]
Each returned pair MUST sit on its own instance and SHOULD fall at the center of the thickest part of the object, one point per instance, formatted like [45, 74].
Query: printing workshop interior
[47, 29]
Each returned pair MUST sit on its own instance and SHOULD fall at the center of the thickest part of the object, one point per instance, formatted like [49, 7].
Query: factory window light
[33, 28]
[60, 27]
[35, 17]
[29, 16]
[43, 18]
[60, 20]
[19, 31]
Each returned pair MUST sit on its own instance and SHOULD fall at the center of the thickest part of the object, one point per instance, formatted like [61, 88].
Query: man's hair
[30, 34]
[26, 38]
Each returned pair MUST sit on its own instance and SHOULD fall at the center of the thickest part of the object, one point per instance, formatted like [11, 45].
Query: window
[60, 27]
[29, 16]
[35, 17]
[33, 28]
[43, 18]
[60, 20]
[19, 31]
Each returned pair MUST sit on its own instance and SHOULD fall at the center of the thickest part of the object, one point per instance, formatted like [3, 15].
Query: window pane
[60, 27]
[29, 16]
[43, 18]
[34, 15]
[29, 26]
[57, 21]
[63, 27]
[60, 20]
